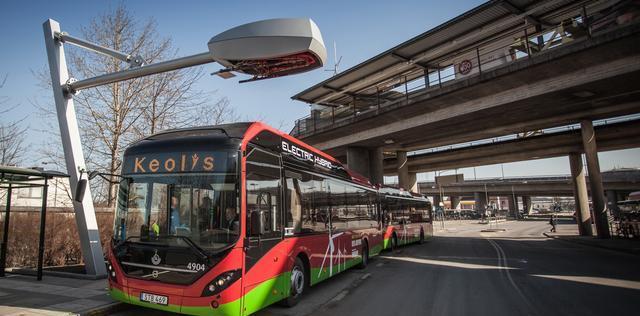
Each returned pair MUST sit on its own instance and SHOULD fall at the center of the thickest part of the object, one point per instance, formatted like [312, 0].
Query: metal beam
[43, 221]
[128, 58]
[5, 233]
[188, 61]
[409, 60]
[74, 157]
[517, 11]
[328, 87]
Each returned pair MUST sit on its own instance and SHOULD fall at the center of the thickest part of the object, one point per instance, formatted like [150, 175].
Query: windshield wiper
[201, 252]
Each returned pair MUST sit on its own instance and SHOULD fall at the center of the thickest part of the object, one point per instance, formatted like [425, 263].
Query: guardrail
[512, 46]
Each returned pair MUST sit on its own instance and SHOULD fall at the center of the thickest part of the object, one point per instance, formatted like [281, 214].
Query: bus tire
[299, 283]
[365, 255]
[421, 241]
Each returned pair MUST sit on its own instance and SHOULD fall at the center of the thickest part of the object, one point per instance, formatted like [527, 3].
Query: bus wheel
[421, 237]
[298, 283]
[365, 255]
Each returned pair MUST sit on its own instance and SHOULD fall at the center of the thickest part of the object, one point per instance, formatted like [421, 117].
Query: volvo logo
[155, 274]
[155, 259]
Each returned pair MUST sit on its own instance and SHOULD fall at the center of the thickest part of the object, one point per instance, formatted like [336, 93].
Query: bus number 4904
[195, 266]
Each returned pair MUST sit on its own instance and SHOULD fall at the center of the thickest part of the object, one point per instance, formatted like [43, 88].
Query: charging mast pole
[74, 158]
[265, 49]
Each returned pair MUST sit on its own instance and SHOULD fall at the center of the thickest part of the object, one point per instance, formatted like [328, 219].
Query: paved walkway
[24, 295]
[567, 230]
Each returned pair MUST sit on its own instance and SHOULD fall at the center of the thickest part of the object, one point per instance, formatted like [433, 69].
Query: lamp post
[263, 50]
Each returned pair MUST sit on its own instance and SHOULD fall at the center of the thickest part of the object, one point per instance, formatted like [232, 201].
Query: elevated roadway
[609, 137]
[623, 181]
[505, 67]
[591, 78]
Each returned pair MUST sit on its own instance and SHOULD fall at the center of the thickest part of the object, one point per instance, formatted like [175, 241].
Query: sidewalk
[569, 232]
[24, 295]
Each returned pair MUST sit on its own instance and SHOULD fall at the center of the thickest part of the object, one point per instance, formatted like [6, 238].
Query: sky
[360, 29]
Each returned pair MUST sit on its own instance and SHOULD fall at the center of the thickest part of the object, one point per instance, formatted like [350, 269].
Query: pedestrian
[552, 222]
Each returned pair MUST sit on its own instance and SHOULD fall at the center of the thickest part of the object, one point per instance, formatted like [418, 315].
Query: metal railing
[416, 84]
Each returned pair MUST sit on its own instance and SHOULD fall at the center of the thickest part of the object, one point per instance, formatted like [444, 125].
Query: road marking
[626, 284]
[340, 296]
[380, 264]
[521, 260]
[450, 263]
[502, 262]
[345, 292]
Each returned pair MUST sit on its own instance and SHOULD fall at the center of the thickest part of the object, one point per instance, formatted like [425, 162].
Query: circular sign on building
[464, 67]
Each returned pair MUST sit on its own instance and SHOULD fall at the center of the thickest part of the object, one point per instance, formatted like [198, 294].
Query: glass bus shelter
[17, 178]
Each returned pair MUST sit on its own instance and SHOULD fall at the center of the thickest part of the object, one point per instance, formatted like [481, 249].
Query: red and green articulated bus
[228, 219]
[406, 217]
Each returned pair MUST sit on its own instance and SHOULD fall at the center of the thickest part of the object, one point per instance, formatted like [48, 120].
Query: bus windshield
[201, 208]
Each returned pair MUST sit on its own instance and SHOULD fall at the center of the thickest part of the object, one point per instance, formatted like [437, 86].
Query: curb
[573, 241]
[107, 309]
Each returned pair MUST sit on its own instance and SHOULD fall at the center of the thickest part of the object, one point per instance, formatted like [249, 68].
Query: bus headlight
[221, 282]
[111, 272]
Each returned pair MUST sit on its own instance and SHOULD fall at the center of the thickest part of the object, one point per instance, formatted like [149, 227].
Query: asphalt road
[465, 272]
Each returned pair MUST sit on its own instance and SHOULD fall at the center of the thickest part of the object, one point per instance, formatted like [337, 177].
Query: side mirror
[82, 186]
[256, 223]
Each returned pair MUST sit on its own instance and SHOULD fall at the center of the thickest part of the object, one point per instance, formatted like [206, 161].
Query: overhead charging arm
[133, 61]
[139, 68]
[264, 49]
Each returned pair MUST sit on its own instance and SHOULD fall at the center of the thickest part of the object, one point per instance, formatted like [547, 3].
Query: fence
[62, 245]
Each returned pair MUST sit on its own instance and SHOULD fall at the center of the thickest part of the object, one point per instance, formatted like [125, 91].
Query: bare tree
[169, 101]
[218, 112]
[114, 115]
[12, 134]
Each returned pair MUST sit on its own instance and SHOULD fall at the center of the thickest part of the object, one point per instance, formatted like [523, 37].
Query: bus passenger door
[264, 261]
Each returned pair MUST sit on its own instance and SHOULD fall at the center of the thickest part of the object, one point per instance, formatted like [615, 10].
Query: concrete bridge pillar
[595, 179]
[455, 202]
[612, 202]
[358, 160]
[583, 215]
[480, 201]
[512, 202]
[436, 201]
[406, 180]
[376, 167]
[526, 204]
[367, 162]
[510, 206]
[413, 182]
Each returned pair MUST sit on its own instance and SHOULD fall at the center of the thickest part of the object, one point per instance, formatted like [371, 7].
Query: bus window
[293, 207]
[339, 205]
[308, 203]
[263, 189]
[396, 213]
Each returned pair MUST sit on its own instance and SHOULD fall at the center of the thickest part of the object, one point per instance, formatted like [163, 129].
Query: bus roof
[244, 131]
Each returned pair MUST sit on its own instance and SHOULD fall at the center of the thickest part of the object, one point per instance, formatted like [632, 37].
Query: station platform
[24, 295]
